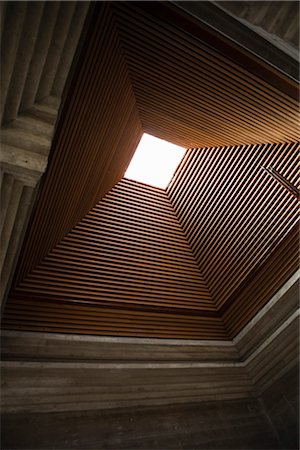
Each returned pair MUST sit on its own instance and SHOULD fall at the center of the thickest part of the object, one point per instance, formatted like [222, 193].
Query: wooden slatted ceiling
[138, 72]
[264, 281]
[191, 95]
[126, 268]
[95, 138]
[129, 249]
[55, 316]
[232, 211]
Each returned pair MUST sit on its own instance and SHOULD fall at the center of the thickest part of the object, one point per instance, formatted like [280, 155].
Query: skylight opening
[154, 162]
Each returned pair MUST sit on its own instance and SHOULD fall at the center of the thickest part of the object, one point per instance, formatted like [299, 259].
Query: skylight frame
[154, 162]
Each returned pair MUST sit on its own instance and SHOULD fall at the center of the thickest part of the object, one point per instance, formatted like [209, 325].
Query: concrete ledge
[56, 372]
[23, 158]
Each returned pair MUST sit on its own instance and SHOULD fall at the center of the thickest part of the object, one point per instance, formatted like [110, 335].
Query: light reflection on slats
[232, 211]
[126, 268]
[152, 273]
[139, 73]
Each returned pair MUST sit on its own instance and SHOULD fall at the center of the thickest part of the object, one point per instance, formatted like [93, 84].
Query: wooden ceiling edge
[21, 276]
[218, 313]
[26, 276]
[171, 13]
[129, 307]
[256, 270]
[187, 241]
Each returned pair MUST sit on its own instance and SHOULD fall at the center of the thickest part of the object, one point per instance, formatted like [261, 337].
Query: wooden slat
[135, 240]
[141, 262]
[264, 281]
[97, 135]
[137, 72]
[232, 212]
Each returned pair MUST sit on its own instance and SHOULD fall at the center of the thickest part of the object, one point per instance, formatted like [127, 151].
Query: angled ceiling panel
[126, 266]
[265, 279]
[139, 72]
[95, 138]
[136, 274]
[192, 95]
[232, 211]
[129, 249]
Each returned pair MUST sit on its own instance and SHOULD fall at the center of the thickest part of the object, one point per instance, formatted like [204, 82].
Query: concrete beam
[51, 372]
[273, 51]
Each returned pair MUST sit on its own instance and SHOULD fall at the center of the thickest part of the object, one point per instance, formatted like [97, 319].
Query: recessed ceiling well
[111, 256]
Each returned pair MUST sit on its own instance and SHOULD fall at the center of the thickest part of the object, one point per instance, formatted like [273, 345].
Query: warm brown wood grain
[130, 265]
[138, 72]
[232, 211]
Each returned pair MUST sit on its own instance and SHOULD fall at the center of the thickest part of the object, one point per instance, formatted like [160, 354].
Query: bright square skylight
[154, 161]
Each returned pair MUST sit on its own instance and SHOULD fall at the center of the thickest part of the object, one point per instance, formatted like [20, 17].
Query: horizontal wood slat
[192, 95]
[98, 131]
[144, 262]
[233, 212]
[136, 242]
[135, 73]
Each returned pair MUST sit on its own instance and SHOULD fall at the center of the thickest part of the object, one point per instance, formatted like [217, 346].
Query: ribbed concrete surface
[46, 373]
[235, 424]
[279, 18]
[38, 43]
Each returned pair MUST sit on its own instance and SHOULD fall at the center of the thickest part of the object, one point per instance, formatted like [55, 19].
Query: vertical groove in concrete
[6, 188]
[277, 18]
[14, 201]
[292, 31]
[23, 58]
[60, 33]
[16, 235]
[40, 53]
[14, 19]
[2, 15]
[69, 48]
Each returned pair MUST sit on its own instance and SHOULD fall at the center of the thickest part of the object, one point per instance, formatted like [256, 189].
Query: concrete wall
[281, 402]
[269, 422]
[38, 44]
[68, 391]
[214, 425]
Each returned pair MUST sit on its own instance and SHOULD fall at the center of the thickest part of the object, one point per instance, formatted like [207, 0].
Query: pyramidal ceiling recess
[154, 162]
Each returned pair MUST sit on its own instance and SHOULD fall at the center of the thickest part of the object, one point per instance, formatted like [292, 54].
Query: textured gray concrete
[45, 372]
[270, 422]
[38, 43]
[281, 402]
[280, 19]
[214, 425]
[250, 25]
[99, 392]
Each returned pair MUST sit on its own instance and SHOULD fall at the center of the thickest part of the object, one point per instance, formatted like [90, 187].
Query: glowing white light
[154, 161]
